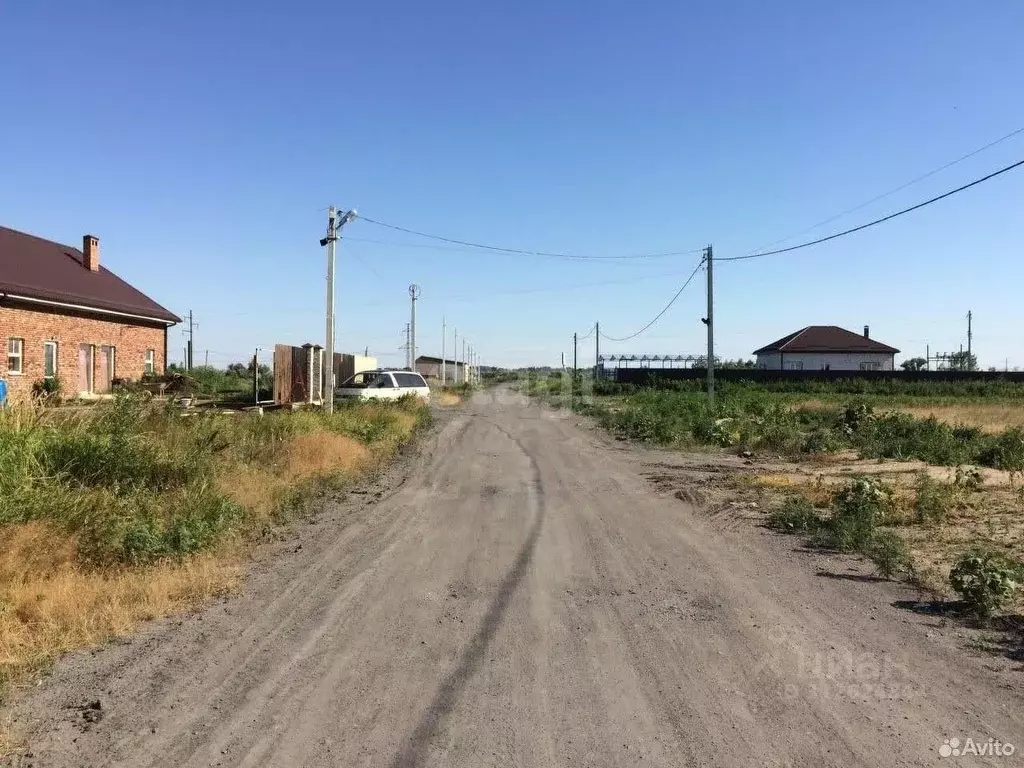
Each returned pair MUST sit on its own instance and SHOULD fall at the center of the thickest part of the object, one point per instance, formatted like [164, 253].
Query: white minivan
[384, 385]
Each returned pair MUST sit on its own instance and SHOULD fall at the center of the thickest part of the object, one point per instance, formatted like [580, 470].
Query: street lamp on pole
[335, 222]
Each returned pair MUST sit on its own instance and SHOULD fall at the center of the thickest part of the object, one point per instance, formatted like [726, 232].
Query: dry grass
[990, 417]
[446, 398]
[260, 489]
[49, 604]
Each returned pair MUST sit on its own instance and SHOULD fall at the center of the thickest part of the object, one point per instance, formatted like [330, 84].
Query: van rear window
[409, 380]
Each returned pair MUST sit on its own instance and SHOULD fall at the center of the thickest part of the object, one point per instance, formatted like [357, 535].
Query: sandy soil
[526, 597]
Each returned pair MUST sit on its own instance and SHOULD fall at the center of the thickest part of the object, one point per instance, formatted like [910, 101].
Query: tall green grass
[748, 418]
[135, 482]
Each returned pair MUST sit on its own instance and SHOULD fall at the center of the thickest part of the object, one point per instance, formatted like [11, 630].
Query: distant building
[65, 317]
[826, 348]
[430, 368]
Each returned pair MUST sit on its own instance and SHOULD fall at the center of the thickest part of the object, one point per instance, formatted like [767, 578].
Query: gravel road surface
[525, 598]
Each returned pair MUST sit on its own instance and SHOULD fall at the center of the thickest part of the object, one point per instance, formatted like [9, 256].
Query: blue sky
[202, 142]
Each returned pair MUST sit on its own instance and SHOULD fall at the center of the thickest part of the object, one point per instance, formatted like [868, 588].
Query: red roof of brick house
[826, 338]
[34, 269]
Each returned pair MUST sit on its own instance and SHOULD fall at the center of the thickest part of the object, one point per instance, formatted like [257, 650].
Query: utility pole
[597, 350]
[334, 226]
[563, 361]
[469, 364]
[574, 357]
[455, 354]
[710, 322]
[969, 336]
[465, 377]
[191, 338]
[256, 377]
[444, 339]
[332, 239]
[206, 359]
[414, 293]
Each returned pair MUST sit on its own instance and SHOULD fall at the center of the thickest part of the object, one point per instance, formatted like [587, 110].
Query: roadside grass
[130, 511]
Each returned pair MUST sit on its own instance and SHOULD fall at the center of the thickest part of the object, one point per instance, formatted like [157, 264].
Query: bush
[796, 515]
[47, 390]
[889, 554]
[1004, 451]
[857, 510]
[933, 500]
[821, 440]
[985, 581]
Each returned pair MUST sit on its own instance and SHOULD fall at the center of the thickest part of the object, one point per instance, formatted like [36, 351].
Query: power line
[876, 221]
[589, 333]
[519, 251]
[658, 316]
[900, 188]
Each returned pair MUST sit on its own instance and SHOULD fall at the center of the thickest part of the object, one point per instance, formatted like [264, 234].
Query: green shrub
[1004, 451]
[857, 510]
[985, 581]
[47, 389]
[968, 479]
[933, 500]
[821, 440]
[889, 553]
[796, 515]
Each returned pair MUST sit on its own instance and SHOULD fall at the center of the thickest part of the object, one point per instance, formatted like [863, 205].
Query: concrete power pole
[414, 293]
[597, 350]
[710, 321]
[465, 378]
[191, 338]
[334, 225]
[332, 239]
[969, 336]
[574, 357]
[444, 339]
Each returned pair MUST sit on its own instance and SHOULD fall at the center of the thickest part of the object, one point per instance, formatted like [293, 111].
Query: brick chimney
[91, 253]
[867, 332]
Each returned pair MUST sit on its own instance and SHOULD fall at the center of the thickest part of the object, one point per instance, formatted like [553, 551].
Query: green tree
[963, 361]
[914, 364]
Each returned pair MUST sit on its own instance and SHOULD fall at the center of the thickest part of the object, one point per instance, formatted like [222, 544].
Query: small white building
[826, 348]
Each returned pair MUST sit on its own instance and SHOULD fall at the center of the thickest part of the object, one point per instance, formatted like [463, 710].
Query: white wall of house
[882, 361]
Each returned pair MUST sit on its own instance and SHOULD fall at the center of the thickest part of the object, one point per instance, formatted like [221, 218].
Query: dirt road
[525, 598]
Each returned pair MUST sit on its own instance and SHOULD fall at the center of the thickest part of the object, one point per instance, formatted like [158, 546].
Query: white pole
[414, 292]
[465, 379]
[328, 397]
[444, 363]
[455, 354]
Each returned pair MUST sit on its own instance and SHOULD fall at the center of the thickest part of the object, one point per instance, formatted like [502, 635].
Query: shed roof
[42, 269]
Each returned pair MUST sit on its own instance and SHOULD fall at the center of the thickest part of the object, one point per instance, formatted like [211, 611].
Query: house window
[14, 355]
[794, 365]
[49, 359]
[150, 358]
[871, 366]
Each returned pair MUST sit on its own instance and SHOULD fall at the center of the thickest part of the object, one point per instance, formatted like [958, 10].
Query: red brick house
[64, 315]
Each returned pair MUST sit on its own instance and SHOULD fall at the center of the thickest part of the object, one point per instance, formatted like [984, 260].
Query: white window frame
[794, 365]
[870, 365]
[56, 359]
[19, 356]
[149, 362]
